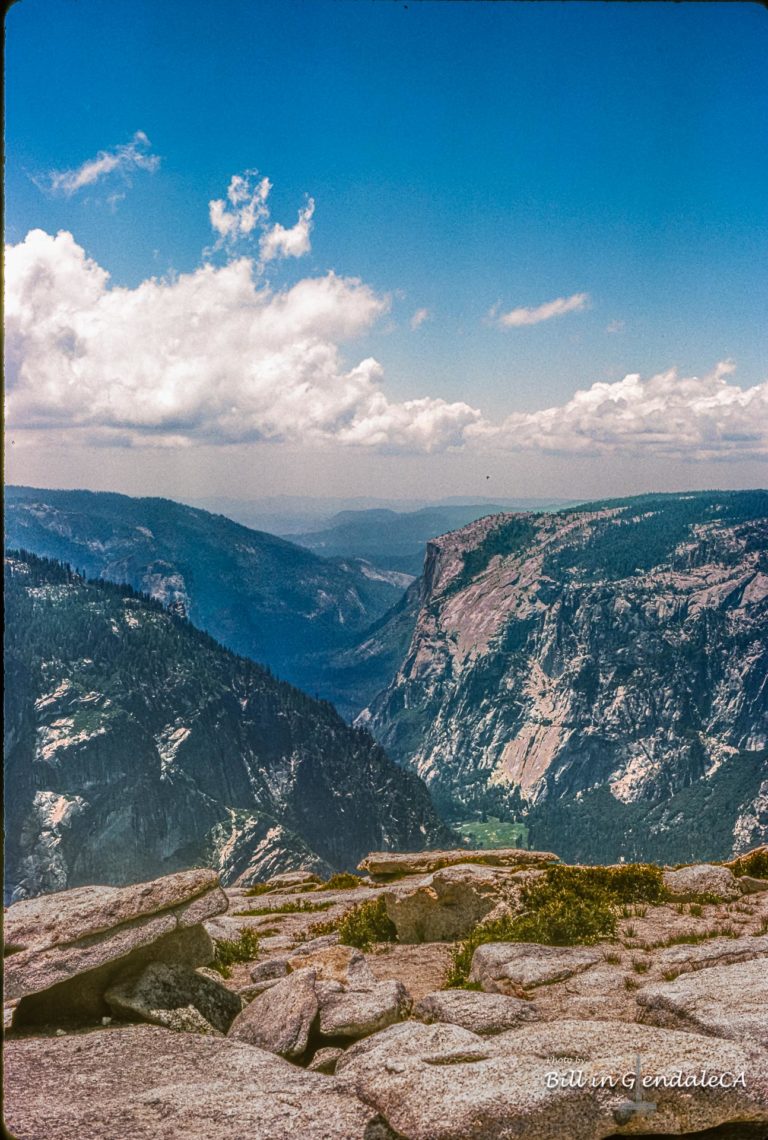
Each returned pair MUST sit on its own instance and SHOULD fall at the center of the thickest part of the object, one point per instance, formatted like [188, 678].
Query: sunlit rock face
[603, 670]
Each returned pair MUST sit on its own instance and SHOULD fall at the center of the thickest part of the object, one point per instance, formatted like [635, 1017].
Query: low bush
[318, 929]
[569, 906]
[627, 883]
[366, 924]
[754, 865]
[228, 951]
[259, 889]
[344, 881]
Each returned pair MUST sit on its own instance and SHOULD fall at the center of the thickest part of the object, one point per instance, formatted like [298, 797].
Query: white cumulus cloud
[245, 207]
[212, 356]
[280, 242]
[516, 318]
[123, 159]
[695, 418]
[246, 210]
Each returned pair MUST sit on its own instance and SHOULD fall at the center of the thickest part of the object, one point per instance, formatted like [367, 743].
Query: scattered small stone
[324, 1060]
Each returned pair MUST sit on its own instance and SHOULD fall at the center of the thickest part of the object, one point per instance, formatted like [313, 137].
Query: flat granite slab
[423, 862]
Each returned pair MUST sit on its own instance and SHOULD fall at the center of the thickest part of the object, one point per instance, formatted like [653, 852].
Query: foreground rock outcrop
[68, 948]
[442, 1082]
[479, 1012]
[724, 1001]
[702, 879]
[175, 997]
[510, 967]
[325, 1042]
[327, 996]
[448, 903]
[388, 863]
[143, 1082]
[280, 1020]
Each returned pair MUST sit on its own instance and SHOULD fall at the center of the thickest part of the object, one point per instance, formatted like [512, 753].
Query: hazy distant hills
[135, 746]
[290, 515]
[396, 540]
[602, 670]
[258, 594]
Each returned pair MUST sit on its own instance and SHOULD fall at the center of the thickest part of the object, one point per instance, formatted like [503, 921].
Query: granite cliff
[601, 672]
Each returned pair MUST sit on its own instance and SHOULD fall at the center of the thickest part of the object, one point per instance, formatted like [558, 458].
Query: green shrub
[502, 930]
[366, 924]
[568, 906]
[228, 951]
[754, 865]
[259, 889]
[561, 916]
[627, 883]
[318, 929]
[344, 881]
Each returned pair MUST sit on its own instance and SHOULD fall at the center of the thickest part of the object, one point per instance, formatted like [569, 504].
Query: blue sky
[466, 159]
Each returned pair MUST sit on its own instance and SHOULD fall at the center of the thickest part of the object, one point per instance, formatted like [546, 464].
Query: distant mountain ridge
[397, 540]
[602, 672]
[259, 595]
[136, 745]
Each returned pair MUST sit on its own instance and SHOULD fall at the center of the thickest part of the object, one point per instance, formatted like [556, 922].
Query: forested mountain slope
[259, 595]
[136, 745]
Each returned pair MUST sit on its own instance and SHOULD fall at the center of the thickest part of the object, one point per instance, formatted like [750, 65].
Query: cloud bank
[211, 357]
[122, 160]
[245, 210]
[219, 357]
[666, 415]
[516, 318]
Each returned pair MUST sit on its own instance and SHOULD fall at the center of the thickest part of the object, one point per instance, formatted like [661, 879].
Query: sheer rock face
[69, 947]
[614, 653]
